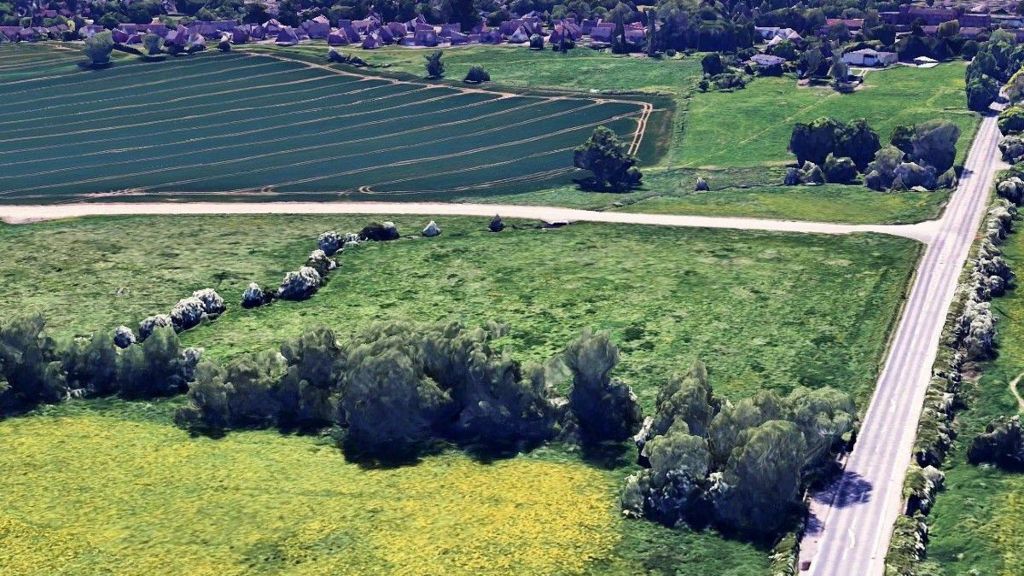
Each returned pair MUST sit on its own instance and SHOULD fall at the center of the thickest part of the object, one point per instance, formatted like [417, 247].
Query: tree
[840, 70]
[390, 406]
[934, 144]
[982, 91]
[712, 64]
[680, 463]
[856, 140]
[814, 141]
[902, 137]
[91, 365]
[98, 48]
[687, 399]
[434, 64]
[809, 63]
[309, 388]
[606, 158]
[154, 368]
[605, 408]
[1015, 87]
[760, 485]
[882, 170]
[152, 43]
[30, 369]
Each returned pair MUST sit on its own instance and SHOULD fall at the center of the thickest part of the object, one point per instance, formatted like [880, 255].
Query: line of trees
[36, 368]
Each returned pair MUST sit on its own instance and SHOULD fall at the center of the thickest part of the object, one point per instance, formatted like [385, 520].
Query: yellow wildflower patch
[89, 494]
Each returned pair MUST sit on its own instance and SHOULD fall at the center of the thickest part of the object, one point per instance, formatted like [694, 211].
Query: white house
[869, 57]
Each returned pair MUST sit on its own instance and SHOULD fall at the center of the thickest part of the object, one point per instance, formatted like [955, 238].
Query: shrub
[213, 304]
[477, 74]
[1011, 120]
[187, 313]
[712, 64]
[1012, 148]
[98, 48]
[605, 408]
[309, 389]
[379, 232]
[1001, 444]
[299, 285]
[839, 170]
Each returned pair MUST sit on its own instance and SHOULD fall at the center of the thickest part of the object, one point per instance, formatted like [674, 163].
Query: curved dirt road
[17, 214]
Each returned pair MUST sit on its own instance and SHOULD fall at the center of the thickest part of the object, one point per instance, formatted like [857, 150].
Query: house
[337, 37]
[767, 60]
[425, 37]
[272, 27]
[587, 25]
[398, 29]
[975, 20]
[286, 37]
[318, 28]
[603, 33]
[89, 30]
[350, 31]
[119, 36]
[372, 41]
[868, 57]
[239, 35]
[509, 27]
[490, 36]
[635, 37]
[908, 15]
[458, 39]
[520, 36]
[852, 24]
[925, 62]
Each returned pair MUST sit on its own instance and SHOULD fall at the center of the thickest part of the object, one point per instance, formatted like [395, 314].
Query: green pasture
[23, 61]
[752, 126]
[764, 310]
[233, 123]
[976, 526]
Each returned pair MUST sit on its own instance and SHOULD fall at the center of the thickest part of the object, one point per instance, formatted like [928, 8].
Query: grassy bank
[976, 526]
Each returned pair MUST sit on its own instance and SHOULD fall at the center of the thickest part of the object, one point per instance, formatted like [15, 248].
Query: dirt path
[1016, 394]
[19, 214]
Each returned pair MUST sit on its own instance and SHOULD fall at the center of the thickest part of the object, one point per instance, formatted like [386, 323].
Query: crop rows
[232, 123]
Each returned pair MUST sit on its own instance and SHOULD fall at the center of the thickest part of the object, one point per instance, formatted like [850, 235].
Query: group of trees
[434, 65]
[830, 150]
[36, 368]
[996, 61]
[742, 466]
[393, 388]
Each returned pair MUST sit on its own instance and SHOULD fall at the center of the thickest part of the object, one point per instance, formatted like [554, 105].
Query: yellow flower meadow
[90, 494]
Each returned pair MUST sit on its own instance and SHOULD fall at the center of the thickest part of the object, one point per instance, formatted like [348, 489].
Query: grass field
[976, 525]
[136, 495]
[752, 126]
[289, 127]
[764, 310]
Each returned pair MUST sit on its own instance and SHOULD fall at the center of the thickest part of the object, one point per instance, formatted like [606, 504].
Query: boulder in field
[319, 261]
[496, 224]
[702, 185]
[432, 230]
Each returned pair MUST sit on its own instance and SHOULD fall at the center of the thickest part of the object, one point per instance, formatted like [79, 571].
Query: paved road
[922, 232]
[852, 523]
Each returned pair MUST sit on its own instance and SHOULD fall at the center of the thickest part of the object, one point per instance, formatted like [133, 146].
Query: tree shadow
[607, 455]
[847, 490]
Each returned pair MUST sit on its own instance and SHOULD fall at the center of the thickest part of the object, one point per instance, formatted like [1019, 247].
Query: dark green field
[237, 124]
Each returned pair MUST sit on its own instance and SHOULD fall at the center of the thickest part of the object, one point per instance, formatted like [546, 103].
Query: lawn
[764, 310]
[976, 525]
[236, 124]
[112, 488]
[752, 126]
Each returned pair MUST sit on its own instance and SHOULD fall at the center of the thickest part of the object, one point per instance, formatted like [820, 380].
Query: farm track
[21, 214]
